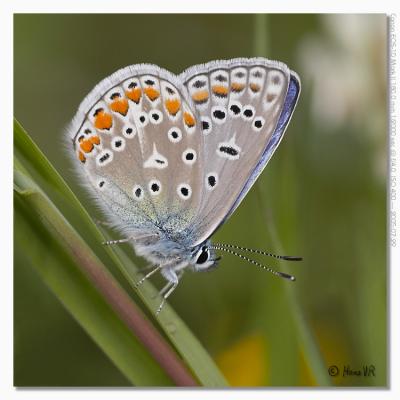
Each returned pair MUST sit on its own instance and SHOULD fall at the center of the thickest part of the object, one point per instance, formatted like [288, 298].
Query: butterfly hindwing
[243, 108]
[140, 145]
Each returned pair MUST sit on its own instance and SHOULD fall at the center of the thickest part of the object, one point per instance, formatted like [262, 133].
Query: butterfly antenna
[264, 253]
[277, 273]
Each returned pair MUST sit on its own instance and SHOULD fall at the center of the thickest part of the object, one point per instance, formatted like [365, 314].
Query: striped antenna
[277, 273]
[264, 253]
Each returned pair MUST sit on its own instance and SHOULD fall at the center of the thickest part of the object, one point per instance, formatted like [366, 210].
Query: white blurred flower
[345, 68]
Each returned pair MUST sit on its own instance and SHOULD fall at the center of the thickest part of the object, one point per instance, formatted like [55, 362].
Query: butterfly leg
[163, 290]
[145, 268]
[168, 285]
[108, 242]
[165, 297]
[128, 239]
[153, 271]
[173, 278]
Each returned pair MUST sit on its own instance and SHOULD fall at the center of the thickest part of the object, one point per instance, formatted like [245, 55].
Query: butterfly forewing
[141, 145]
[239, 103]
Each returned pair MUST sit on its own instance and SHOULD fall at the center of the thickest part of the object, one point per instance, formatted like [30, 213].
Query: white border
[101, 6]
[177, 6]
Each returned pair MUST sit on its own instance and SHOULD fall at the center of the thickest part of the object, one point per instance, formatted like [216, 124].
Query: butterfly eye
[203, 257]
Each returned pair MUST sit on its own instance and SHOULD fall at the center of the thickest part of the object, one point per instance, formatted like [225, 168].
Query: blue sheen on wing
[288, 108]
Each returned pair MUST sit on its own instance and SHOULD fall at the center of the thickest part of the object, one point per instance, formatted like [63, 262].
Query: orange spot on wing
[173, 106]
[86, 145]
[81, 157]
[120, 106]
[134, 94]
[152, 93]
[237, 87]
[95, 139]
[103, 120]
[254, 87]
[200, 96]
[220, 90]
[189, 119]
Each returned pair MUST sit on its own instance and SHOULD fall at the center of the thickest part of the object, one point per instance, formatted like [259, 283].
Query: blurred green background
[323, 195]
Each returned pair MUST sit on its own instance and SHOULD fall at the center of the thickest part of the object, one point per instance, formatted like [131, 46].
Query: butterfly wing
[139, 147]
[244, 106]
[179, 154]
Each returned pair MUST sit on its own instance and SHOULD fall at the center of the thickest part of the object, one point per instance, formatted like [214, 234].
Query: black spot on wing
[105, 157]
[199, 84]
[221, 78]
[228, 150]
[219, 114]
[212, 181]
[235, 109]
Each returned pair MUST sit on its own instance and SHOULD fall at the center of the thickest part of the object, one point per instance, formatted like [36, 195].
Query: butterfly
[169, 157]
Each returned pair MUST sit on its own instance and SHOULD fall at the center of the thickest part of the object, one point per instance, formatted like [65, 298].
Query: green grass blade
[41, 242]
[189, 348]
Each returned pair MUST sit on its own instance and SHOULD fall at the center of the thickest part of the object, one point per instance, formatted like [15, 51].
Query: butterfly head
[204, 257]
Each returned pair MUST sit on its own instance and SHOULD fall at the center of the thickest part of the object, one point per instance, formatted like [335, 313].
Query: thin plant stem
[113, 293]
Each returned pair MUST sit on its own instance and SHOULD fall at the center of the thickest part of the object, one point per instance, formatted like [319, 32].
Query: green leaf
[41, 241]
[58, 195]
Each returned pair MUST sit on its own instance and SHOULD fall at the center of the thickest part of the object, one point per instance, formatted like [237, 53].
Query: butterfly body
[172, 253]
[169, 158]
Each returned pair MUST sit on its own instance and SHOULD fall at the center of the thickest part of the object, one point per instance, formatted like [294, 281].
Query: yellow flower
[244, 363]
